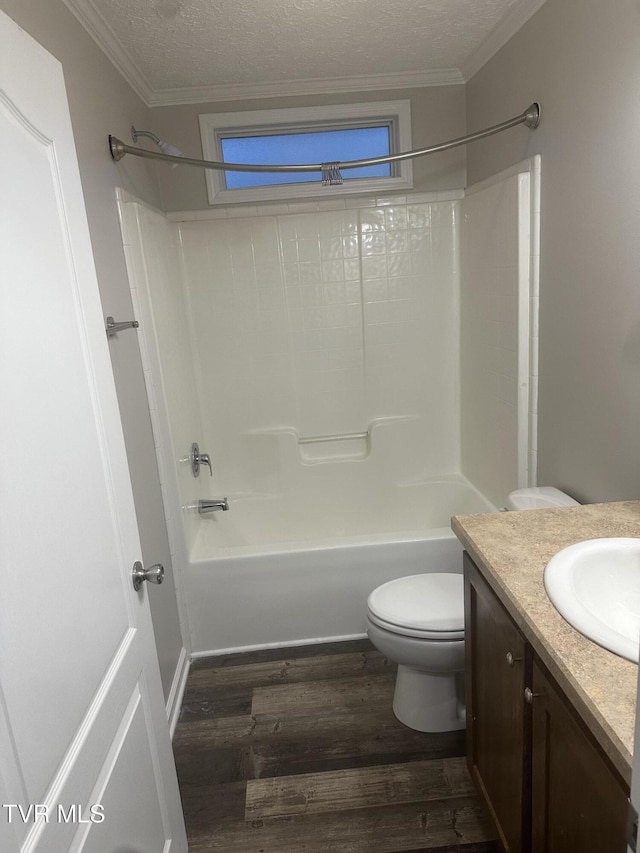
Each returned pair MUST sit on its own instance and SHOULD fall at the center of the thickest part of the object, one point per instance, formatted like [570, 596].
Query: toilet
[418, 623]
[538, 497]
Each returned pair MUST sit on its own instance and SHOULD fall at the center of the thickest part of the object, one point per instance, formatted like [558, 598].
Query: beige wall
[101, 102]
[437, 114]
[581, 60]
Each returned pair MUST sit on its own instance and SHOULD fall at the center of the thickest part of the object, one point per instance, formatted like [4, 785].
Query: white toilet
[418, 622]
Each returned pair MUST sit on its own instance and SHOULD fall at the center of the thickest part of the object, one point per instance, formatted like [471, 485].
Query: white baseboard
[174, 702]
[287, 644]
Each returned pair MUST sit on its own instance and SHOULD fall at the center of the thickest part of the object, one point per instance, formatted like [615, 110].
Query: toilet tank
[539, 497]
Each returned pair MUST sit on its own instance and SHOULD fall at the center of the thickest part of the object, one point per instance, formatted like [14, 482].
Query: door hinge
[632, 827]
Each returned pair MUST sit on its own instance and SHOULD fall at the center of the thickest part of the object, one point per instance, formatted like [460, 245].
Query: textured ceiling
[182, 44]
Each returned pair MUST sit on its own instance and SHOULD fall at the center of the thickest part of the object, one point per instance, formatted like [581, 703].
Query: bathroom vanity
[550, 715]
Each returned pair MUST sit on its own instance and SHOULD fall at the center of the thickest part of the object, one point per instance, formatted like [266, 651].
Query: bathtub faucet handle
[204, 460]
[197, 459]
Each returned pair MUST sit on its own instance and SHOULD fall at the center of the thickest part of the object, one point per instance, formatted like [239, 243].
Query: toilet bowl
[418, 623]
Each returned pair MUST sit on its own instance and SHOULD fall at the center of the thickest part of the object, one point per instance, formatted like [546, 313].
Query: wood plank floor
[298, 751]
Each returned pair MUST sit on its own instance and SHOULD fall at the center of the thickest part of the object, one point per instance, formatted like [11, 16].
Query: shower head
[168, 148]
[165, 147]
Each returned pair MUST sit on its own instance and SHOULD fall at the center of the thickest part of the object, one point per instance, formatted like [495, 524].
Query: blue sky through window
[309, 147]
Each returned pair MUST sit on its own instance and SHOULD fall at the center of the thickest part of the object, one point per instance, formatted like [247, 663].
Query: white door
[85, 755]
[635, 779]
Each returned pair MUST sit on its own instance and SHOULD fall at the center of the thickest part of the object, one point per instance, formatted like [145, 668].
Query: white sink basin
[595, 585]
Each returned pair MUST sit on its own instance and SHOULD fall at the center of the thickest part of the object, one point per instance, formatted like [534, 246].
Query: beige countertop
[511, 549]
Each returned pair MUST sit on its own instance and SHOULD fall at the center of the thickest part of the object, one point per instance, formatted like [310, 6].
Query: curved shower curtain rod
[330, 171]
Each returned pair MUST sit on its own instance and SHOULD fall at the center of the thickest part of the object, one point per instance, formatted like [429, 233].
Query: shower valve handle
[197, 459]
[204, 460]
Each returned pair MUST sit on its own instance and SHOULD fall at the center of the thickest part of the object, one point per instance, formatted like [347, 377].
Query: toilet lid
[431, 602]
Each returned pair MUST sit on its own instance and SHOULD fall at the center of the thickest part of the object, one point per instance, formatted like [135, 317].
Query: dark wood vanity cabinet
[497, 671]
[579, 800]
[547, 784]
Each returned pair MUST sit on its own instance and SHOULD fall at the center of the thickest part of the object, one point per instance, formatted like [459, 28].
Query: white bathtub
[290, 590]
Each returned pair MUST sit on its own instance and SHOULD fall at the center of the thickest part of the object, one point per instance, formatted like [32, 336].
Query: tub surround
[314, 354]
[511, 550]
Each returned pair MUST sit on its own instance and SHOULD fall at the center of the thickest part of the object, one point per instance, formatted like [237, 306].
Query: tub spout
[208, 505]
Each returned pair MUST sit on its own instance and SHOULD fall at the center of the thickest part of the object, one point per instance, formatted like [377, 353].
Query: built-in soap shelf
[292, 447]
[345, 445]
[345, 436]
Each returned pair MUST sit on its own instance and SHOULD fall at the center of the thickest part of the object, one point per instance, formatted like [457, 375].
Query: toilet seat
[404, 631]
[427, 606]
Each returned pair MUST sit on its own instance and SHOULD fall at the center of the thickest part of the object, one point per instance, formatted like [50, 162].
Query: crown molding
[86, 12]
[93, 22]
[313, 86]
[506, 29]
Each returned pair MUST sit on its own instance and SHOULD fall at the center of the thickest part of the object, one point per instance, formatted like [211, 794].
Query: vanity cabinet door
[498, 719]
[579, 800]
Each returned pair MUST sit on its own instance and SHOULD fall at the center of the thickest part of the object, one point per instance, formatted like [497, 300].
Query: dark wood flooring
[298, 751]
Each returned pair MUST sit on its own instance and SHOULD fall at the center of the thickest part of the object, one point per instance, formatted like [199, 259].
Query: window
[307, 135]
[315, 146]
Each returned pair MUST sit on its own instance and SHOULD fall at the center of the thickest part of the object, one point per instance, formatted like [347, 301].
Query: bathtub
[290, 589]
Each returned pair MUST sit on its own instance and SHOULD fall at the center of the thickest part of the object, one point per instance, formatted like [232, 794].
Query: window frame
[394, 114]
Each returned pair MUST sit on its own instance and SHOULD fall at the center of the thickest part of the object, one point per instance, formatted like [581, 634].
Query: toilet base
[429, 701]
